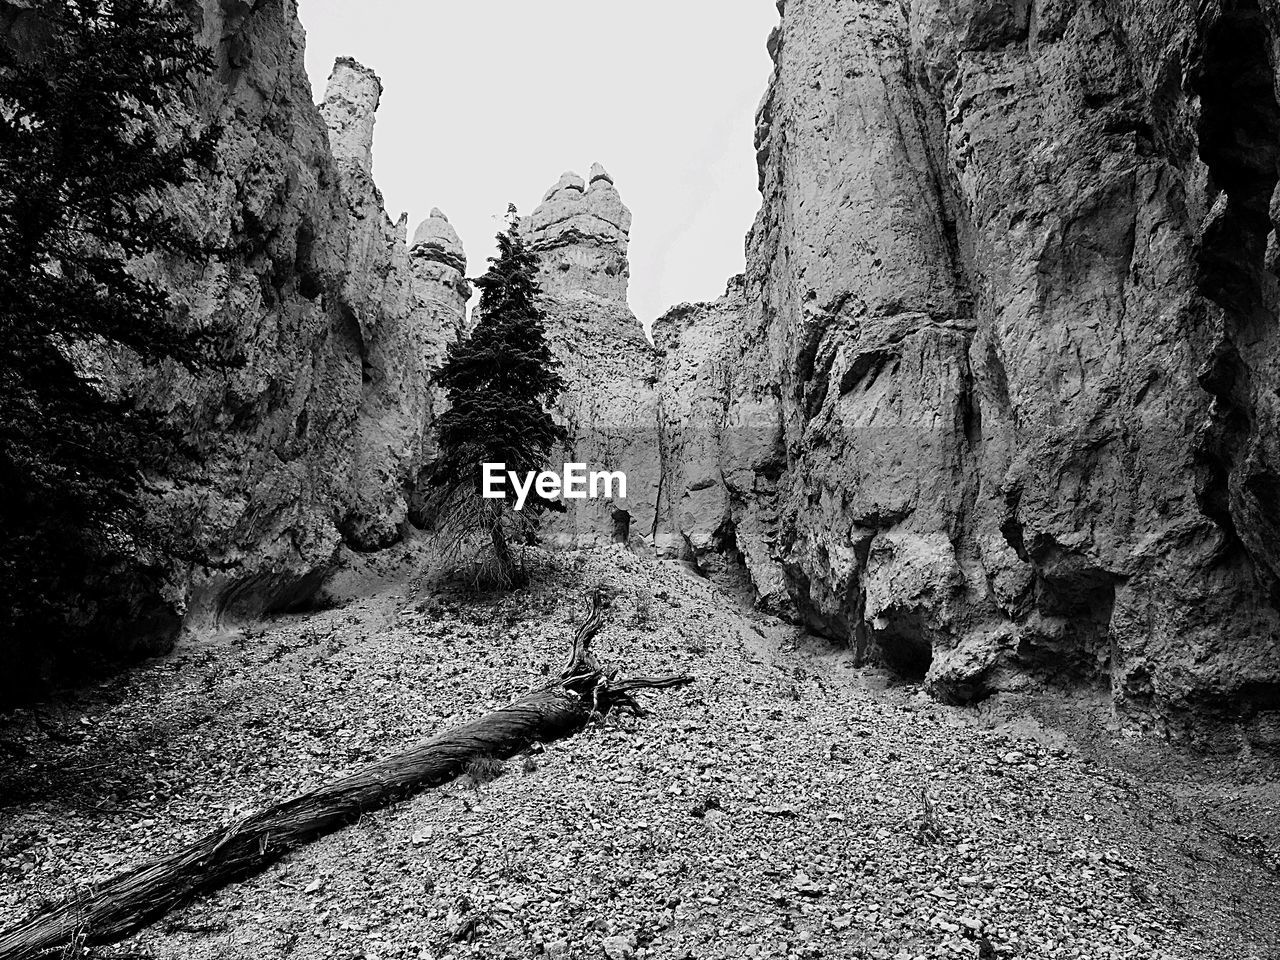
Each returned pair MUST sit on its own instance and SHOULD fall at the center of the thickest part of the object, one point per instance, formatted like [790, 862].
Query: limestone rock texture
[721, 449]
[581, 232]
[438, 286]
[311, 442]
[1010, 322]
[340, 320]
[408, 303]
[276, 434]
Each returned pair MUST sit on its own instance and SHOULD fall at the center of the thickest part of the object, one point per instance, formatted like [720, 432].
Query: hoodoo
[581, 231]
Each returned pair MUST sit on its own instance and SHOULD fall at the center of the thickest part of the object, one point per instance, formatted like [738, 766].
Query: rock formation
[408, 303]
[581, 231]
[1010, 311]
[335, 433]
[721, 451]
[337, 422]
[438, 285]
[313, 440]
[278, 435]
[996, 402]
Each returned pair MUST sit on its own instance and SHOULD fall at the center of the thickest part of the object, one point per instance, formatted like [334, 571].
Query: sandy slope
[776, 808]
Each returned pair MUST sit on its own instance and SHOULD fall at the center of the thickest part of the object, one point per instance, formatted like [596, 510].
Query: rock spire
[582, 230]
[349, 111]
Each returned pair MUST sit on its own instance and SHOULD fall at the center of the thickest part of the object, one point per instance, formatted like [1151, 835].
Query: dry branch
[128, 903]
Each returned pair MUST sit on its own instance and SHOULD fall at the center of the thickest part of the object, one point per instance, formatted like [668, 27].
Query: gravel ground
[787, 805]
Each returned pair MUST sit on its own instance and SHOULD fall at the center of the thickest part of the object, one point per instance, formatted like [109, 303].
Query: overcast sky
[488, 101]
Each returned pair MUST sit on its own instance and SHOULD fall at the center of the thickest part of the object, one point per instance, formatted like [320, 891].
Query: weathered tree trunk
[506, 563]
[141, 896]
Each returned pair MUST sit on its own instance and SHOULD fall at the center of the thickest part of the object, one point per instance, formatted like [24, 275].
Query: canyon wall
[314, 443]
[276, 434]
[311, 438]
[722, 456]
[998, 402]
[995, 402]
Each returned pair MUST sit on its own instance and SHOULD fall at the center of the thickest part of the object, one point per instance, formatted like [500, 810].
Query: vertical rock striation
[313, 439]
[407, 303]
[277, 435]
[336, 326]
[581, 231]
[721, 448]
[997, 400]
[1011, 305]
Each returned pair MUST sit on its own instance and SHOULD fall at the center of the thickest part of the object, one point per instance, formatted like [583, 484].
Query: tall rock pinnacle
[349, 111]
[581, 231]
[435, 241]
[438, 283]
[407, 304]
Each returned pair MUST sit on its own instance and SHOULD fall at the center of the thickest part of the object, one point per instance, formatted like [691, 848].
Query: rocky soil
[787, 805]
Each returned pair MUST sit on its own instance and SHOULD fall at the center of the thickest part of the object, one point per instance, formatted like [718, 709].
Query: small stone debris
[734, 821]
[806, 887]
[783, 810]
[707, 804]
[619, 948]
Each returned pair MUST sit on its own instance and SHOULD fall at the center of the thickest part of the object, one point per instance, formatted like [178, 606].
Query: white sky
[488, 101]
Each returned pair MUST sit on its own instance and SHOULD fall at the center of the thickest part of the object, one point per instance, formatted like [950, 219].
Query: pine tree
[84, 169]
[500, 381]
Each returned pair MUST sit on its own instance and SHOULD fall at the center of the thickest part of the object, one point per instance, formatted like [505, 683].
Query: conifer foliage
[89, 145]
[500, 381]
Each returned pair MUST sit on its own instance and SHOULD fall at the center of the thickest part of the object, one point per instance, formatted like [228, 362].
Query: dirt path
[775, 809]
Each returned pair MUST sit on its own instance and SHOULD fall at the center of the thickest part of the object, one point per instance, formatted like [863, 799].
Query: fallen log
[559, 709]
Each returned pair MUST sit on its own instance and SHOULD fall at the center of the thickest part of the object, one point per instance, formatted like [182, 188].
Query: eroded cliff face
[1011, 312]
[721, 449]
[312, 442]
[409, 304]
[275, 434]
[581, 231]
